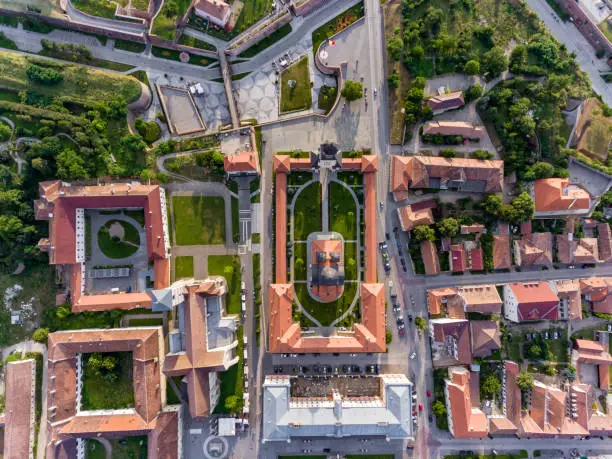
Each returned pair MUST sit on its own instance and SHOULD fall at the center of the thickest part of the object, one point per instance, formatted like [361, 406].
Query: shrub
[149, 130]
[448, 153]
[43, 75]
[482, 154]
[41, 335]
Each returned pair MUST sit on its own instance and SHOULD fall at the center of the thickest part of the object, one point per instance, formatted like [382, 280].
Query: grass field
[101, 8]
[268, 41]
[183, 267]
[307, 212]
[298, 97]
[131, 46]
[342, 211]
[299, 253]
[235, 220]
[199, 219]
[326, 313]
[252, 11]
[350, 267]
[123, 248]
[152, 322]
[164, 25]
[84, 85]
[188, 40]
[123, 448]
[99, 393]
[606, 29]
[335, 25]
[173, 55]
[228, 266]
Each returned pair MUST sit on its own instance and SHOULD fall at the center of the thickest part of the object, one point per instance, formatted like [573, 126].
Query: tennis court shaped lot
[180, 110]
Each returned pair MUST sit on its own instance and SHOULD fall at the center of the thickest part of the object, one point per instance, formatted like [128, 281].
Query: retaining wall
[253, 36]
[586, 26]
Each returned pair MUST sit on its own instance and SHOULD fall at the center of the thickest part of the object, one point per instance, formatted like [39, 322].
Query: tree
[550, 369]
[424, 233]
[70, 165]
[438, 409]
[352, 90]
[490, 387]
[448, 153]
[492, 204]
[524, 381]
[420, 323]
[395, 46]
[473, 92]
[495, 61]
[481, 154]
[388, 337]
[569, 373]
[231, 403]
[524, 207]
[5, 132]
[41, 335]
[534, 352]
[393, 80]
[448, 227]
[417, 52]
[540, 170]
[228, 270]
[472, 67]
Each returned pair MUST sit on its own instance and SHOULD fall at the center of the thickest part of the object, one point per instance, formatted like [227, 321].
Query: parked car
[413, 356]
[428, 393]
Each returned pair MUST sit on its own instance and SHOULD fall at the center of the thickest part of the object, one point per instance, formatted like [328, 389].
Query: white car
[413, 356]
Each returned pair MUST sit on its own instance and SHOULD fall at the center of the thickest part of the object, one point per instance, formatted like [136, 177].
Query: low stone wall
[253, 36]
[586, 26]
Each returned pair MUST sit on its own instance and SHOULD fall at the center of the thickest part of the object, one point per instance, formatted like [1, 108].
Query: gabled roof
[429, 253]
[215, 8]
[458, 258]
[20, 384]
[558, 195]
[604, 239]
[246, 161]
[535, 249]
[462, 128]
[485, 337]
[569, 289]
[448, 334]
[536, 301]
[409, 218]
[502, 257]
[446, 101]
[282, 163]
[466, 421]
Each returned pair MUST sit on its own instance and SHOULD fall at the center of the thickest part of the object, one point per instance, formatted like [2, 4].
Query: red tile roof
[604, 239]
[246, 161]
[464, 421]
[536, 301]
[456, 331]
[429, 254]
[446, 101]
[485, 337]
[409, 218]
[20, 390]
[502, 257]
[462, 128]
[476, 259]
[534, 250]
[458, 257]
[557, 195]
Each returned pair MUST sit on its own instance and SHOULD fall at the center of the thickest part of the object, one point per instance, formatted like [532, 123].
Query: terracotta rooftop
[286, 335]
[147, 348]
[327, 269]
[534, 250]
[458, 258]
[410, 218]
[198, 359]
[464, 420]
[485, 337]
[436, 172]
[429, 254]
[446, 101]
[484, 299]
[569, 290]
[451, 342]
[462, 128]
[572, 250]
[598, 291]
[246, 161]
[502, 257]
[471, 229]
[604, 239]
[536, 301]
[437, 298]
[215, 8]
[558, 195]
[20, 412]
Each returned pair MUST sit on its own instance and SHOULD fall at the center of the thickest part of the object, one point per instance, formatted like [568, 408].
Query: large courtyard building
[86, 220]
[373, 406]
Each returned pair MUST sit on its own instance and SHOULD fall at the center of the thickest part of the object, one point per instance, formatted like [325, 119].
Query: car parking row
[327, 370]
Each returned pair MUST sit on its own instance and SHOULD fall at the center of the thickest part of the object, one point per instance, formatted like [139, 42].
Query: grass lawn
[327, 97]
[268, 41]
[131, 46]
[116, 248]
[326, 313]
[171, 396]
[137, 215]
[342, 211]
[513, 349]
[84, 85]
[6, 42]
[199, 219]
[188, 40]
[101, 8]
[606, 29]
[235, 220]
[559, 349]
[183, 267]
[164, 24]
[123, 448]
[307, 212]
[350, 268]
[232, 380]
[102, 393]
[228, 266]
[298, 97]
[152, 322]
[335, 25]
[299, 252]
[252, 11]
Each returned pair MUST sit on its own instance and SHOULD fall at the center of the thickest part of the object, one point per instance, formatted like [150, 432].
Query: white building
[216, 11]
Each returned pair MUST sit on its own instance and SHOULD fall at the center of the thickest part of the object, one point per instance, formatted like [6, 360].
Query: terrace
[355, 386]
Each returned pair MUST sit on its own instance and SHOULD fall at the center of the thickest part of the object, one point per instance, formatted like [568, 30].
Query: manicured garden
[295, 87]
[199, 220]
[174, 55]
[107, 381]
[122, 448]
[340, 22]
[307, 212]
[326, 313]
[232, 382]
[342, 211]
[228, 266]
[327, 97]
[118, 239]
[183, 267]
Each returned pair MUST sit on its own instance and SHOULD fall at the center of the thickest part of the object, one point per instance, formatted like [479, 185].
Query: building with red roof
[455, 302]
[216, 11]
[534, 249]
[20, 409]
[464, 129]
[429, 255]
[555, 197]
[285, 335]
[450, 342]
[507, 423]
[65, 205]
[464, 421]
[243, 163]
[444, 102]
[597, 294]
[530, 301]
[68, 424]
[409, 217]
[591, 353]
